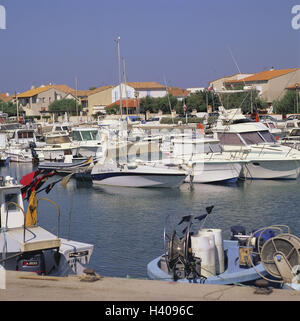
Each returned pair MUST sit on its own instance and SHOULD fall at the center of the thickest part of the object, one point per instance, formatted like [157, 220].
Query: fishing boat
[57, 146]
[202, 256]
[279, 255]
[26, 246]
[137, 174]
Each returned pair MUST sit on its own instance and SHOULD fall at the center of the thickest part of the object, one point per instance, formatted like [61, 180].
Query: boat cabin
[85, 134]
[10, 194]
[22, 136]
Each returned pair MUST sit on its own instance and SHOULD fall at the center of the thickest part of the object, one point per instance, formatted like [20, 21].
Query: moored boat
[204, 257]
[26, 246]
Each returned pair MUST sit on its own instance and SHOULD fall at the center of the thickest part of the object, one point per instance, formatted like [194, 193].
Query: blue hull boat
[202, 256]
[157, 269]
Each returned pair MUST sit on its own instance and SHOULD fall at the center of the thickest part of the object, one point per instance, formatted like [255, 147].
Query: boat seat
[36, 238]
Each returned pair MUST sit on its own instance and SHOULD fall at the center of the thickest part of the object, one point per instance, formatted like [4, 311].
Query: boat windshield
[230, 139]
[267, 136]
[252, 138]
[295, 132]
[85, 135]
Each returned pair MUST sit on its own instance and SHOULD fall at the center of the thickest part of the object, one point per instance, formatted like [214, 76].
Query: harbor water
[126, 225]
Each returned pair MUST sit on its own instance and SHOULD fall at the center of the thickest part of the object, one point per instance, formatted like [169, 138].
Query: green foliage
[9, 108]
[287, 104]
[165, 104]
[65, 105]
[113, 110]
[200, 100]
[243, 100]
[169, 120]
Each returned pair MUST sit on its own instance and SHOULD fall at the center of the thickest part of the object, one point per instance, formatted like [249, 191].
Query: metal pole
[119, 63]
[125, 81]
[76, 88]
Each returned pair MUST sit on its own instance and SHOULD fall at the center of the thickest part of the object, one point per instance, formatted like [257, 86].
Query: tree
[287, 104]
[247, 101]
[9, 108]
[65, 105]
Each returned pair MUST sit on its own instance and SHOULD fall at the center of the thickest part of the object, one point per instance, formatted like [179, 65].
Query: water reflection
[126, 224]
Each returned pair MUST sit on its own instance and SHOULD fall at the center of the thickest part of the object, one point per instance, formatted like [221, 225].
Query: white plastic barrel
[203, 247]
[219, 247]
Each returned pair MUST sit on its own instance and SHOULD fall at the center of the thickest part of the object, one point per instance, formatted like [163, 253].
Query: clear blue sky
[184, 43]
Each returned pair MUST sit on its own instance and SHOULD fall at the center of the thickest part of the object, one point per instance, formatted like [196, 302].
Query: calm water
[126, 225]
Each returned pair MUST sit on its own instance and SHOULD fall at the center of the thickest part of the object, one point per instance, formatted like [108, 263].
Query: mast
[119, 64]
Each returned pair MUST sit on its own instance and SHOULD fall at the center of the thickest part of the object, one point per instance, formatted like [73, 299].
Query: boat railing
[24, 214]
[22, 210]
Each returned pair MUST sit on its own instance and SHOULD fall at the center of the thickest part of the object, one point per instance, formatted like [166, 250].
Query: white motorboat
[292, 139]
[267, 158]
[21, 146]
[137, 175]
[88, 140]
[58, 146]
[26, 246]
[207, 159]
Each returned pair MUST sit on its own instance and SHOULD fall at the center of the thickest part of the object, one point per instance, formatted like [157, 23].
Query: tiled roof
[97, 90]
[178, 92]
[34, 92]
[131, 103]
[146, 85]
[263, 75]
[294, 86]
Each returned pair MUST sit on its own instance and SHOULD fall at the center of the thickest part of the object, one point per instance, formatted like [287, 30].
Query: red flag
[27, 179]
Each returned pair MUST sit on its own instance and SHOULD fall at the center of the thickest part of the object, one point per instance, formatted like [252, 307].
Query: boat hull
[215, 172]
[241, 276]
[138, 179]
[271, 169]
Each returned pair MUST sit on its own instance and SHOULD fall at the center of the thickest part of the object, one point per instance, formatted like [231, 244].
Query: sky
[182, 43]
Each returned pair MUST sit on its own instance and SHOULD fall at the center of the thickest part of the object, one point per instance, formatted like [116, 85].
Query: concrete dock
[20, 286]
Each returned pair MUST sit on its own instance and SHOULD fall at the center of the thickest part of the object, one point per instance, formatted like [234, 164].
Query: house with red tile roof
[271, 84]
[37, 100]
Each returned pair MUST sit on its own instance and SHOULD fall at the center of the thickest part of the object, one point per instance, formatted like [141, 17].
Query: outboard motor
[238, 230]
[35, 157]
[31, 262]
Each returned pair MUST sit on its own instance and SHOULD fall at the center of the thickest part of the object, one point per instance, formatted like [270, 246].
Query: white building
[139, 90]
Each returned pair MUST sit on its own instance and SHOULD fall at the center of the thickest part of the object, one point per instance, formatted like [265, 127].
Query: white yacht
[267, 158]
[21, 146]
[137, 175]
[207, 159]
[28, 247]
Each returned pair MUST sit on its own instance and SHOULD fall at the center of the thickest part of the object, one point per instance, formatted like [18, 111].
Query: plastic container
[219, 247]
[203, 247]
